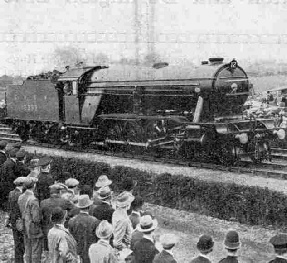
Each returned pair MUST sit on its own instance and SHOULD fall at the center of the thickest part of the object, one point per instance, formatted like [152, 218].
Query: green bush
[248, 205]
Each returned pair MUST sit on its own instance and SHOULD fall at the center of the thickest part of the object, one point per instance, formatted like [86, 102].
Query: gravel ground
[202, 174]
[188, 226]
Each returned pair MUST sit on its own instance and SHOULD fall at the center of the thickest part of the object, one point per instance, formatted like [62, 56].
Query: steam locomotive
[194, 113]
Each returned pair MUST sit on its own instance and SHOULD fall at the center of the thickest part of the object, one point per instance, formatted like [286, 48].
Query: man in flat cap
[168, 241]
[232, 244]
[205, 246]
[3, 156]
[45, 179]
[47, 206]
[279, 243]
[30, 212]
[8, 175]
[14, 216]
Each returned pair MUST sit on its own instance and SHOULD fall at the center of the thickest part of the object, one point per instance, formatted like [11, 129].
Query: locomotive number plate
[30, 108]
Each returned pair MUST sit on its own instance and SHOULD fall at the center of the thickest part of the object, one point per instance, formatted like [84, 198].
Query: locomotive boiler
[195, 113]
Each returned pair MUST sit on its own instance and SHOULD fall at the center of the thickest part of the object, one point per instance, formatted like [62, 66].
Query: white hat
[104, 192]
[104, 229]
[71, 182]
[147, 224]
[124, 199]
[168, 240]
[103, 180]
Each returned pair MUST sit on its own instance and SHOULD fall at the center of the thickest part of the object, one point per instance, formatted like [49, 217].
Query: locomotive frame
[192, 113]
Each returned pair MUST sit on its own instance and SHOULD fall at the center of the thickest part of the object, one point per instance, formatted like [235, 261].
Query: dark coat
[13, 207]
[200, 259]
[135, 219]
[136, 236]
[3, 158]
[42, 186]
[103, 211]
[83, 227]
[144, 251]
[8, 175]
[278, 260]
[164, 257]
[229, 259]
[47, 207]
[22, 169]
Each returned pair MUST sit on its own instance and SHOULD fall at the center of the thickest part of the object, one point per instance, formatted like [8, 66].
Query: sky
[40, 35]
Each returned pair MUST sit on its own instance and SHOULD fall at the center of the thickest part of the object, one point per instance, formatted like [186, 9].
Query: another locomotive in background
[195, 113]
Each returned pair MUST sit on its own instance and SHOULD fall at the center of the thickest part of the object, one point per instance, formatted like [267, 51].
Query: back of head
[128, 184]
[58, 215]
[231, 241]
[137, 203]
[86, 190]
[29, 183]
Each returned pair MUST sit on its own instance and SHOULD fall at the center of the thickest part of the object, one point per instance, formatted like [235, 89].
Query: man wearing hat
[14, 215]
[205, 246]
[279, 243]
[168, 241]
[8, 175]
[62, 245]
[145, 250]
[47, 207]
[3, 156]
[232, 244]
[34, 168]
[102, 251]
[104, 210]
[102, 181]
[21, 169]
[73, 190]
[45, 179]
[83, 227]
[136, 207]
[30, 212]
[121, 222]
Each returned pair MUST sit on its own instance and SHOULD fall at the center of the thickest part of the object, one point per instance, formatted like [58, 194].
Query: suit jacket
[3, 157]
[47, 207]
[30, 211]
[62, 245]
[103, 211]
[22, 169]
[102, 252]
[42, 186]
[83, 227]
[8, 175]
[13, 207]
[164, 257]
[135, 219]
[200, 259]
[278, 260]
[136, 236]
[144, 251]
[229, 259]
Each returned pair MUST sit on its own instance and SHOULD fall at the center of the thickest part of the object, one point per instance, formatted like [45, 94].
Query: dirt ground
[188, 226]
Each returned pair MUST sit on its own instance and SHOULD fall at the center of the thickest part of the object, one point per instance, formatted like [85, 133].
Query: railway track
[275, 169]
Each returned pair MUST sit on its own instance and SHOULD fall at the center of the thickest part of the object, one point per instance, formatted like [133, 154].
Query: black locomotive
[190, 112]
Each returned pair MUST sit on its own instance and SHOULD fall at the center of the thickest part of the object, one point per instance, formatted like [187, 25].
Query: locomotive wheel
[228, 154]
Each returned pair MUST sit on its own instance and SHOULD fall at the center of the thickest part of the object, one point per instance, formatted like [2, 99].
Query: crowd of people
[59, 220]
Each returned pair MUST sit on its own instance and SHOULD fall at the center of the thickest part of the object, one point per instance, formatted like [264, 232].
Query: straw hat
[104, 192]
[84, 201]
[104, 229]
[147, 224]
[124, 199]
[103, 180]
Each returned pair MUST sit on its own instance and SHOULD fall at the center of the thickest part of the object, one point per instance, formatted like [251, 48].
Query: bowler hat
[84, 201]
[279, 242]
[20, 180]
[103, 180]
[3, 145]
[205, 243]
[104, 192]
[168, 240]
[147, 224]
[232, 240]
[104, 229]
[71, 182]
[58, 214]
[124, 199]
[44, 161]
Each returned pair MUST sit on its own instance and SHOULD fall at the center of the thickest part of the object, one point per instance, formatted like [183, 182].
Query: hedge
[247, 205]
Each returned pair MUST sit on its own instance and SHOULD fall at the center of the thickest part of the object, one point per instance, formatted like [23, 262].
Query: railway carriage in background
[195, 113]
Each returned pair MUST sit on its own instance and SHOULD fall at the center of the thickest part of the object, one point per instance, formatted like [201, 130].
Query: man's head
[128, 184]
[29, 184]
[168, 241]
[137, 203]
[58, 215]
[20, 155]
[205, 244]
[84, 202]
[104, 230]
[20, 181]
[45, 164]
[3, 144]
[147, 224]
[124, 200]
[232, 242]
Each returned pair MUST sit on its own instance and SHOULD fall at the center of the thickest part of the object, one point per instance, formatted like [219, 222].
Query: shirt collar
[105, 241]
[148, 238]
[19, 188]
[168, 251]
[204, 256]
[84, 212]
[136, 213]
[278, 256]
